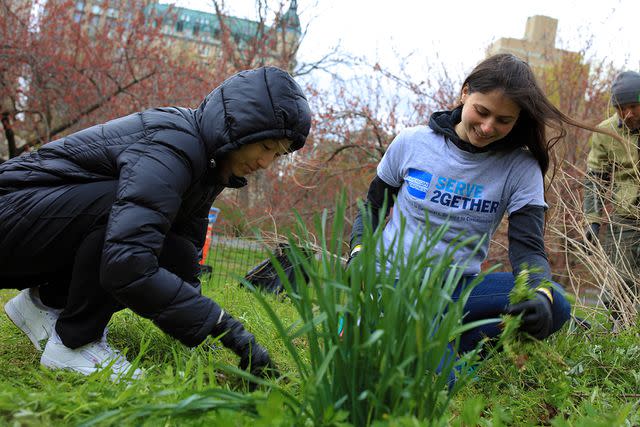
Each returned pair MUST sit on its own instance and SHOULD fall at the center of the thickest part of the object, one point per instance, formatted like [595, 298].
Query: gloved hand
[253, 357]
[592, 232]
[537, 317]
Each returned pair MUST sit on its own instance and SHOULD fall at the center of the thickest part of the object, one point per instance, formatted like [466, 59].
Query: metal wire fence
[231, 258]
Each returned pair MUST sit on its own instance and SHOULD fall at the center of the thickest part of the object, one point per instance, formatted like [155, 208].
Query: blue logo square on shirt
[418, 182]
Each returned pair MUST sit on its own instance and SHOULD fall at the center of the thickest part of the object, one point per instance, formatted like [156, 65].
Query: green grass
[576, 378]
[33, 395]
[573, 379]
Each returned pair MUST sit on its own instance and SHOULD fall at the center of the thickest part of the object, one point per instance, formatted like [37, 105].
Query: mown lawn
[578, 378]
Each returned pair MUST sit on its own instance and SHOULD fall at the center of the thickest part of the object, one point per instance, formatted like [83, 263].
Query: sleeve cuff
[546, 292]
[357, 248]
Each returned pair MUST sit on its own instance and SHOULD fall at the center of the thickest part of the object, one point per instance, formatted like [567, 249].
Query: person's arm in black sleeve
[193, 224]
[375, 200]
[137, 228]
[526, 248]
[526, 243]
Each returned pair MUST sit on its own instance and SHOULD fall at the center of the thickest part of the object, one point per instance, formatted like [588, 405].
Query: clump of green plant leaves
[521, 290]
[510, 324]
[397, 353]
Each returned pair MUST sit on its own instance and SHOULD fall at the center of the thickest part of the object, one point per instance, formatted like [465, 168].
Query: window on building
[95, 9]
[196, 29]
[180, 26]
[80, 5]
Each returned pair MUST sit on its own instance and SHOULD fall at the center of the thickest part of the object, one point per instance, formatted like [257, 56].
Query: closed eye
[505, 120]
[482, 113]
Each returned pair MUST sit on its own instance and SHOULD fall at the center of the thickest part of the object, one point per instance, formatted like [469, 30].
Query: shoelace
[50, 315]
[115, 356]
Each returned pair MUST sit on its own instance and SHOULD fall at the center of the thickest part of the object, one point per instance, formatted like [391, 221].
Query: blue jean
[490, 298]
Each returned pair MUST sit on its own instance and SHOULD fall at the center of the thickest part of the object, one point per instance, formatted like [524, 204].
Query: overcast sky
[454, 32]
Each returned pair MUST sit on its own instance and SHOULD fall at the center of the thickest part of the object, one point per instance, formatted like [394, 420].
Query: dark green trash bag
[264, 275]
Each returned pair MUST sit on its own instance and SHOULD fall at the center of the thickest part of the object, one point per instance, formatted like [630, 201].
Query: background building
[563, 74]
[538, 45]
[201, 33]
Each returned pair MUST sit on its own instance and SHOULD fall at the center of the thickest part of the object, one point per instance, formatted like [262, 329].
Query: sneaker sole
[17, 319]
[116, 377]
[51, 364]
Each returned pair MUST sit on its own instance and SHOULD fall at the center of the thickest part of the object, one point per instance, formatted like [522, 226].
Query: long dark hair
[515, 78]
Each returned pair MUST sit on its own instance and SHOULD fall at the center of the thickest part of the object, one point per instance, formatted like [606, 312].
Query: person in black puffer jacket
[114, 216]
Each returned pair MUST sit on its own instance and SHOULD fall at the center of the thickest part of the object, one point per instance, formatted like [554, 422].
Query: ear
[464, 93]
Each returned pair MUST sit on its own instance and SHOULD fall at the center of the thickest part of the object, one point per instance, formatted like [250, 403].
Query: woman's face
[486, 117]
[252, 157]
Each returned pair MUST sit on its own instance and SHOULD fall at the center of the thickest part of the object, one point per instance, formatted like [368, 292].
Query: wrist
[357, 248]
[234, 336]
[546, 292]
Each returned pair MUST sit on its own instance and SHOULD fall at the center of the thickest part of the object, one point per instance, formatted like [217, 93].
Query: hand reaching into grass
[533, 304]
[256, 360]
[253, 357]
[537, 317]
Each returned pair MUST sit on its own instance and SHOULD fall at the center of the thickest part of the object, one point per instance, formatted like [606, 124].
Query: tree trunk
[8, 132]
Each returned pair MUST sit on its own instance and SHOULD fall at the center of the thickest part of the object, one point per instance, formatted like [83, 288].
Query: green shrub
[395, 357]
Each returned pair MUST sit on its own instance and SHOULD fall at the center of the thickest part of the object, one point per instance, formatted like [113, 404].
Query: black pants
[57, 247]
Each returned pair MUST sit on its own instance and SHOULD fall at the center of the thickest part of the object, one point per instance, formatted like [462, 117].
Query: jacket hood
[251, 106]
[444, 123]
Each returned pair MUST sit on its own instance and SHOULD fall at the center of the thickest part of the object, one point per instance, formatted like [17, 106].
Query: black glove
[253, 357]
[537, 317]
[592, 233]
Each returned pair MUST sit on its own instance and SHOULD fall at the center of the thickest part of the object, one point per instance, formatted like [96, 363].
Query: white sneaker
[32, 317]
[89, 358]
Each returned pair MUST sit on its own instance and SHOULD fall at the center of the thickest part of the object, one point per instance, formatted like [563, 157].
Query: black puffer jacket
[161, 159]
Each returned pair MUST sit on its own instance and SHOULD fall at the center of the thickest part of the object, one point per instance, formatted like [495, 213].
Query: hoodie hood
[444, 123]
[251, 106]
